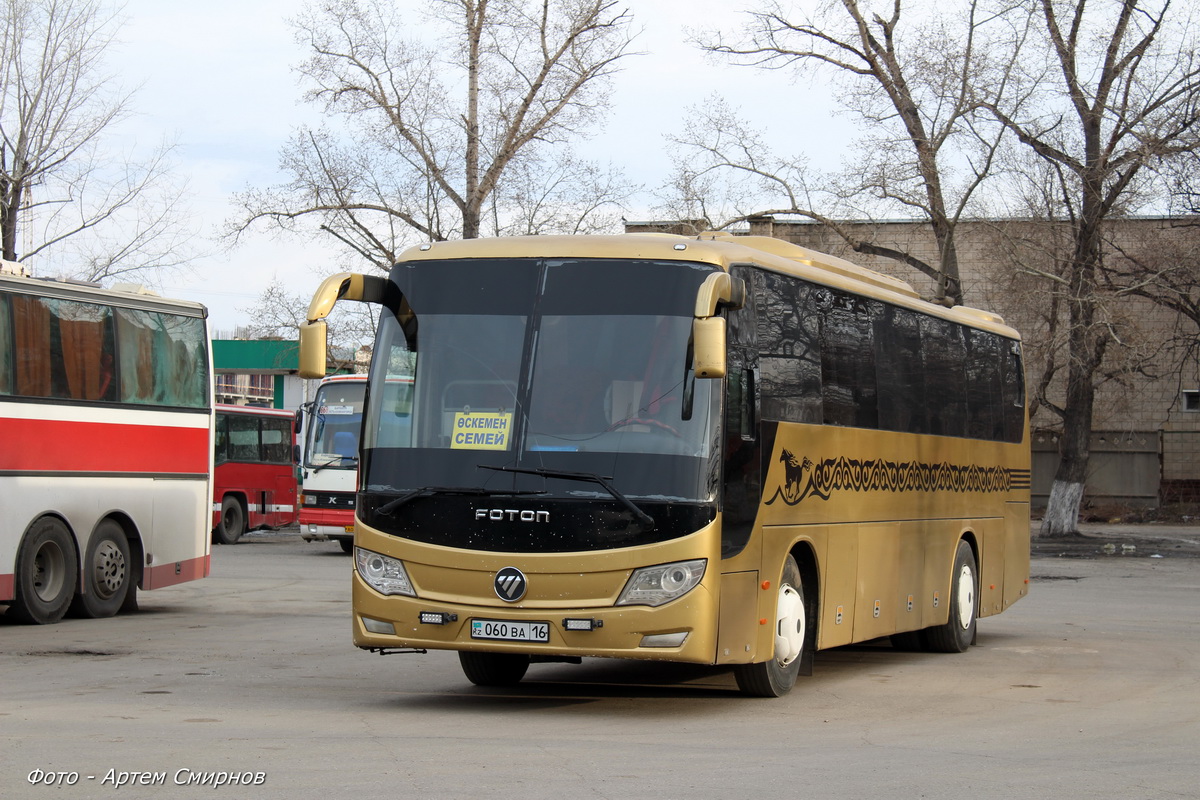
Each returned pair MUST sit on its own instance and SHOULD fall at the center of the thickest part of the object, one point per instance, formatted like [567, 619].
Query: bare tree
[446, 138]
[1125, 95]
[913, 81]
[65, 199]
[279, 315]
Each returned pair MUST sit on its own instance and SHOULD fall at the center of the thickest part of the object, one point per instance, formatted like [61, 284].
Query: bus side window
[31, 335]
[6, 380]
[276, 441]
[243, 438]
[221, 439]
[789, 348]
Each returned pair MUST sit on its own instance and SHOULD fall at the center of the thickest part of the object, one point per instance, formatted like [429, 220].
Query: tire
[956, 635]
[347, 545]
[776, 677]
[47, 573]
[107, 573]
[232, 523]
[493, 669]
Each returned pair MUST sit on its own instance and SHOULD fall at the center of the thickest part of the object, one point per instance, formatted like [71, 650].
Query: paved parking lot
[1087, 688]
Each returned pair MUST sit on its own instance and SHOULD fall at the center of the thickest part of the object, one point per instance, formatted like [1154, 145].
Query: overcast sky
[217, 76]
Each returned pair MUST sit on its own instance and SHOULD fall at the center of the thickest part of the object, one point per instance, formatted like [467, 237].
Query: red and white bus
[105, 446]
[329, 460]
[254, 471]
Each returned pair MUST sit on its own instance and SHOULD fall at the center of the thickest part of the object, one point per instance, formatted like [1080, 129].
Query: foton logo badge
[511, 514]
[510, 584]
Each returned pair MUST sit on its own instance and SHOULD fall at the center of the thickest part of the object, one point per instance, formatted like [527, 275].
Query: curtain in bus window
[6, 378]
[85, 336]
[163, 359]
[31, 334]
[848, 363]
[944, 354]
[789, 344]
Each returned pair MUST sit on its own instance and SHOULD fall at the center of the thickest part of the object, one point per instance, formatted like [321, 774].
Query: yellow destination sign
[481, 430]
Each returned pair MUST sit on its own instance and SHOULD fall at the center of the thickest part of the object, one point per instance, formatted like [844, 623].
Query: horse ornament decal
[804, 478]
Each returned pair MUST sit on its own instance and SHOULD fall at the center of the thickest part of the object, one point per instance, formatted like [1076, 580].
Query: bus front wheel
[956, 635]
[107, 573]
[232, 523]
[47, 572]
[775, 678]
[493, 669]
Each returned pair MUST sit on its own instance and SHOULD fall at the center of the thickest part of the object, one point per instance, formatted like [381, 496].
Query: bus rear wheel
[232, 523]
[493, 669]
[107, 573]
[956, 635]
[776, 677]
[47, 572]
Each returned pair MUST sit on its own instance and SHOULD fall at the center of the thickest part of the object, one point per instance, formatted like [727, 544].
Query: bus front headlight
[653, 586]
[382, 573]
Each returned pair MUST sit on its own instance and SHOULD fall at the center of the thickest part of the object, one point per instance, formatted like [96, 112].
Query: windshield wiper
[425, 491]
[341, 463]
[642, 517]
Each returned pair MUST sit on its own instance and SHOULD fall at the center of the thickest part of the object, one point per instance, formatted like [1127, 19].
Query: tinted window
[789, 339]
[827, 356]
[848, 362]
[944, 353]
[899, 371]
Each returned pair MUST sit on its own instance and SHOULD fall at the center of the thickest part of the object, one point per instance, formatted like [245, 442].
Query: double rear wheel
[47, 573]
[107, 573]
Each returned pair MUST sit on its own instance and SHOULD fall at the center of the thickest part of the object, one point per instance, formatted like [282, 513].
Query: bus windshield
[334, 426]
[543, 367]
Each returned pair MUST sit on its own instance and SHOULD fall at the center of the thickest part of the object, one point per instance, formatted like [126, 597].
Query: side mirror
[708, 347]
[313, 349]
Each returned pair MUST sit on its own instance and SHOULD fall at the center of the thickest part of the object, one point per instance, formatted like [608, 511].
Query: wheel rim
[108, 569]
[966, 597]
[789, 626]
[49, 572]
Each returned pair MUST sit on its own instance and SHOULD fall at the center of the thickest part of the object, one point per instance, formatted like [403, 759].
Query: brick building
[1146, 428]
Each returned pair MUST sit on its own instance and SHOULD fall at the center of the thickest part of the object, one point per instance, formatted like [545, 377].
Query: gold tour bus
[714, 450]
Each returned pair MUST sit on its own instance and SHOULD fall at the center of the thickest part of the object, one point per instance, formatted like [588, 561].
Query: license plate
[510, 631]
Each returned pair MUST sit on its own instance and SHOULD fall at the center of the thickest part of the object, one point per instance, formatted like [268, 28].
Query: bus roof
[124, 295]
[719, 249]
[258, 411]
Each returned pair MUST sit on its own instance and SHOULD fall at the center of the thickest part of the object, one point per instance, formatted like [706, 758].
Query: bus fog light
[378, 626]
[436, 617]
[383, 574]
[582, 624]
[664, 639]
[653, 586]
